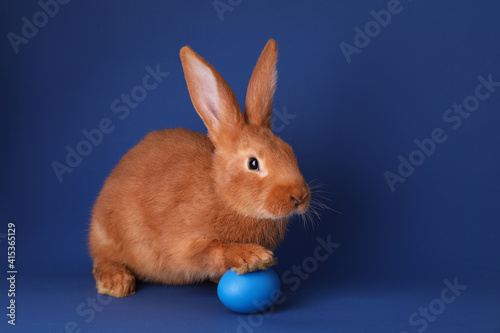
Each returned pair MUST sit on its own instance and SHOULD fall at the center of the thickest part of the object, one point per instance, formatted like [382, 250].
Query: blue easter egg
[249, 293]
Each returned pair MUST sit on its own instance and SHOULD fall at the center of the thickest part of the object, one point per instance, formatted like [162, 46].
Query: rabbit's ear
[212, 97]
[260, 92]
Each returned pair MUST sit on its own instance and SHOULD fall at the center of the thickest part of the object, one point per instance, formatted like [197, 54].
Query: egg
[249, 293]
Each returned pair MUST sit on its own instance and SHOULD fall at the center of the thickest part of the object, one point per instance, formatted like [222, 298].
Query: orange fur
[182, 207]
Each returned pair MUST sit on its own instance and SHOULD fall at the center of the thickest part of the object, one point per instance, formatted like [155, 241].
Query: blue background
[347, 121]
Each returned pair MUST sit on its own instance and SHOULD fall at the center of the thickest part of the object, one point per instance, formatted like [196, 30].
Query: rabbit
[183, 207]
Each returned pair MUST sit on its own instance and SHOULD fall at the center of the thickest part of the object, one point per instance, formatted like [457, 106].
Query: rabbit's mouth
[302, 208]
[295, 212]
[288, 207]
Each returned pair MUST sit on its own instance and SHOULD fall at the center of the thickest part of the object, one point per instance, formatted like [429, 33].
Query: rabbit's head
[254, 171]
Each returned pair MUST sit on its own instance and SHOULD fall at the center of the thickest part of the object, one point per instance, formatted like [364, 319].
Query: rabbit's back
[149, 203]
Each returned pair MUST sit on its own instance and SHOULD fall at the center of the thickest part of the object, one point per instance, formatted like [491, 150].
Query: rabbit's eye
[253, 163]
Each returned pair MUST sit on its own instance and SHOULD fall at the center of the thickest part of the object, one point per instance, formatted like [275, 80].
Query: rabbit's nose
[299, 198]
[297, 201]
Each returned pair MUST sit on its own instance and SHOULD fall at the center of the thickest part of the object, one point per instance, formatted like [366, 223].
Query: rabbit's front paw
[251, 257]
